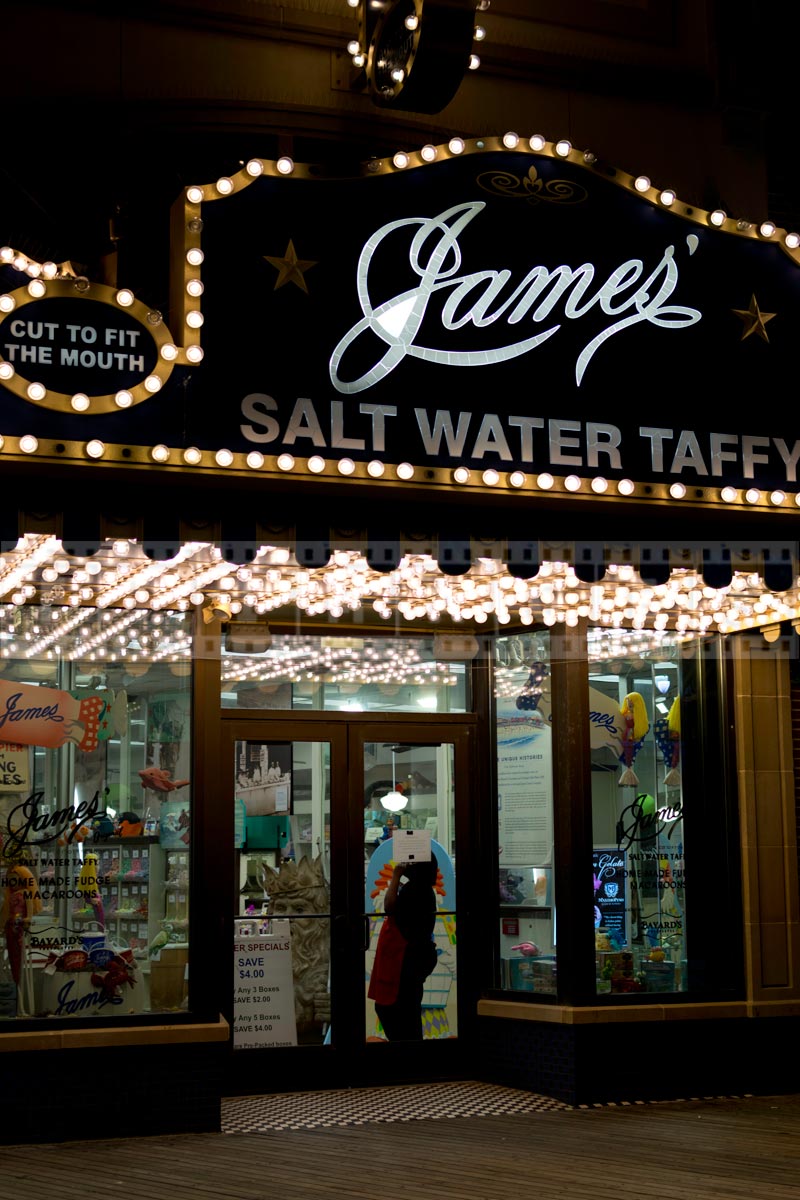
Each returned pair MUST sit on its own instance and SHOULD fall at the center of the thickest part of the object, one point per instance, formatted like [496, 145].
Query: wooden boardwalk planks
[746, 1149]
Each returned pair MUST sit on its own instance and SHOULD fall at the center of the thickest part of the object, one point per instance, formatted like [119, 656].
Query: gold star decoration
[754, 319]
[290, 268]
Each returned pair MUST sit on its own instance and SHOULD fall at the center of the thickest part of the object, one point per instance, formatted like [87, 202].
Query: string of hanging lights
[121, 577]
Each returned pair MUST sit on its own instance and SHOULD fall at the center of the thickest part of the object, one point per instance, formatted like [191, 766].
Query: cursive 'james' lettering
[483, 297]
[27, 820]
[68, 1004]
[603, 720]
[12, 713]
[636, 825]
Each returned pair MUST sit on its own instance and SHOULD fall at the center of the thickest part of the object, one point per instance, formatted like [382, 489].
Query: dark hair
[423, 872]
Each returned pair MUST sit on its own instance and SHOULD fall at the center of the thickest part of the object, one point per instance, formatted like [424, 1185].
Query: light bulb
[393, 801]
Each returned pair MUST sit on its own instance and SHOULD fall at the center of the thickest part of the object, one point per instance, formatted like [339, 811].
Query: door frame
[349, 1060]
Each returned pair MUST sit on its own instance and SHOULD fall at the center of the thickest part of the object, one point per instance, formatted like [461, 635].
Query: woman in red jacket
[406, 952]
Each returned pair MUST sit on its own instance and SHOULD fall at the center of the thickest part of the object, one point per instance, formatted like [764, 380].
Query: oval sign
[70, 346]
[81, 347]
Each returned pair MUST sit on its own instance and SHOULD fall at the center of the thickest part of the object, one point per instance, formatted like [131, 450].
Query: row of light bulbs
[416, 590]
[140, 639]
[406, 472]
[191, 351]
[358, 52]
[48, 278]
[562, 148]
[766, 230]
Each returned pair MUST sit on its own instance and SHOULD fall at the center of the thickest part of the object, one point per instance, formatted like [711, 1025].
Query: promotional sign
[492, 309]
[70, 346]
[524, 781]
[45, 716]
[411, 845]
[14, 767]
[263, 991]
[610, 902]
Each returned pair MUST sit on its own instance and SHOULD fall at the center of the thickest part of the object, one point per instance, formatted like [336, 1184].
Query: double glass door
[335, 822]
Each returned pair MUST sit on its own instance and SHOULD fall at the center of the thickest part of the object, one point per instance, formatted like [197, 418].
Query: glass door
[410, 941]
[342, 830]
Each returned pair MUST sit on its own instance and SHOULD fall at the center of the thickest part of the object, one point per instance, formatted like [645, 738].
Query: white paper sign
[524, 781]
[411, 845]
[14, 768]
[263, 992]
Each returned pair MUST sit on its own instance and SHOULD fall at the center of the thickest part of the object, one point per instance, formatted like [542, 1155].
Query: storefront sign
[70, 346]
[610, 875]
[14, 767]
[493, 309]
[50, 717]
[605, 722]
[32, 823]
[263, 991]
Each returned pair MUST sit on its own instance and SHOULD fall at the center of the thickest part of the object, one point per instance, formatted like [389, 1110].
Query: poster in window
[610, 896]
[14, 768]
[264, 777]
[524, 785]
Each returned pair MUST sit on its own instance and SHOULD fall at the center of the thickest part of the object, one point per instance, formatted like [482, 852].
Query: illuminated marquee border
[187, 209]
[187, 350]
[121, 299]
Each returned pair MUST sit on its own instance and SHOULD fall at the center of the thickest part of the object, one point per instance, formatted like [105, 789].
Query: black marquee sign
[496, 310]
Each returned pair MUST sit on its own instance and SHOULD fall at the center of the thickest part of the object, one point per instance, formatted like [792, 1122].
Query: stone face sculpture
[295, 891]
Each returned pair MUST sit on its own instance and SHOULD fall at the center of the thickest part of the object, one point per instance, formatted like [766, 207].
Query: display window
[657, 823]
[640, 847]
[95, 812]
[524, 763]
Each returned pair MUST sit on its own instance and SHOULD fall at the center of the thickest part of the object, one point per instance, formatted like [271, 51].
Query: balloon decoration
[673, 775]
[531, 694]
[635, 727]
[667, 731]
